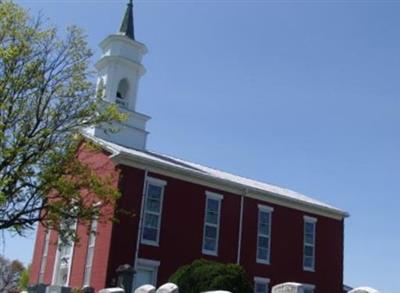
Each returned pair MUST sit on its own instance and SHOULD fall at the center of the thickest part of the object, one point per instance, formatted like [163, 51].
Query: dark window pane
[150, 234]
[211, 232]
[209, 244]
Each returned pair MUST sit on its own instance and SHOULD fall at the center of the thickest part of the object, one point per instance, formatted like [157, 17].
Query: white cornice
[189, 175]
[122, 60]
[122, 38]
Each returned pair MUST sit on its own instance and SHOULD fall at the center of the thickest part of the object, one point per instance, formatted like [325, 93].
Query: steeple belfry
[127, 25]
[119, 71]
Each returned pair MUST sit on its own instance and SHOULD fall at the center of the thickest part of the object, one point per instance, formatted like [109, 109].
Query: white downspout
[139, 233]
[240, 227]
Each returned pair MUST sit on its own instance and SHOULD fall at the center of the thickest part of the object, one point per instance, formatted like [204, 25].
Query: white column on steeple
[119, 71]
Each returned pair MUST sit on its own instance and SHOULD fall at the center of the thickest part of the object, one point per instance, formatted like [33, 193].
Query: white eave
[188, 171]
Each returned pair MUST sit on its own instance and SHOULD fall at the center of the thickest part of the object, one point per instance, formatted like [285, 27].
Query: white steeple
[119, 71]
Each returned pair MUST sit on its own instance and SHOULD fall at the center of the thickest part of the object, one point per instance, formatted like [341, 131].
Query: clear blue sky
[302, 94]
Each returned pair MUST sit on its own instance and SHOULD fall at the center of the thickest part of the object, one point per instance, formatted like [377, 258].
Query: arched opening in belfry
[122, 92]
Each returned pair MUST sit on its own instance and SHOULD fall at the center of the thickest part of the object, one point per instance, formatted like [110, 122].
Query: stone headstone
[168, 288]
[112, 290]
[364, 290]
[287, 288]
[146, 289]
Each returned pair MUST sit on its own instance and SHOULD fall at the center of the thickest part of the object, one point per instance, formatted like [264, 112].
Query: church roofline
[213, 178]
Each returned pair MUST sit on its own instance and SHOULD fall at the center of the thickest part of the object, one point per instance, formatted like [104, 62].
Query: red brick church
[185, 211]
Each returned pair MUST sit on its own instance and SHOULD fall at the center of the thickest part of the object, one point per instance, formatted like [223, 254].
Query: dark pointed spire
[127, 23]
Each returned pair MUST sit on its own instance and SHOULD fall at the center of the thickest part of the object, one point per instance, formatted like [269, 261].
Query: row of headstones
[281, 288]
[166, 288]
[299, 288]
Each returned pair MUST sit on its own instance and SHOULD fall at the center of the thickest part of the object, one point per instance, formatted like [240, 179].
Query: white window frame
[309, 220]
[269, 210]
[43, 261]
[263, 281]
[159, 183]
[57, 259]
[149, 265]
[218, 197]
[308, 287]
[89, 258]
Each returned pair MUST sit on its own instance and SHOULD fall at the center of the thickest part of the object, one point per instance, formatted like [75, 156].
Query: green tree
[10, 273]
[203, 275]
[24, 279]
[46, 99]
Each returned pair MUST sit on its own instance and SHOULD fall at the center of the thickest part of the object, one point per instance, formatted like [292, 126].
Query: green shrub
[203, 275]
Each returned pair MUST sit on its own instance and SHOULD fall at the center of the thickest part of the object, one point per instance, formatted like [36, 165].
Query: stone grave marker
[364, 290]
[146, 289]
[287, 288]
[168, 288]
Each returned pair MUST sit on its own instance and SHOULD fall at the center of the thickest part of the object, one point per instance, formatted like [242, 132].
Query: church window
[264, 234]
[152, 211]
[211, 223]
[261, 285]
[309, 243]
[90, 253]
[122, 93]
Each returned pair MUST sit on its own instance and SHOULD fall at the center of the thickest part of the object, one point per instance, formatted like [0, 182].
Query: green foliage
[46, 99]
[203, 275]
[24, 279]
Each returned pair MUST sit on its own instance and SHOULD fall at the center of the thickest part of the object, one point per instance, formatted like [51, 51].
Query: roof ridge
[239, 176]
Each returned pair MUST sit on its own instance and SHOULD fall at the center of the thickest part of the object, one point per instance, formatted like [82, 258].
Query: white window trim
[93, 246]
[162, 184]
[148, 264]
[70, 257]
[265, 208]
[261, 280]
[219, 198]
[214, 195]
[310, 220]
[268, 209]
[45, 253]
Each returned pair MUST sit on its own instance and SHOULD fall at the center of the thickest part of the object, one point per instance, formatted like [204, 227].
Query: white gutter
[239, 249]
[139, 234]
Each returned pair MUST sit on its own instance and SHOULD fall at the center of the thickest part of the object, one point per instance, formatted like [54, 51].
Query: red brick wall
[287, 248]
[125, 230]
[182, 231]
[100, 162]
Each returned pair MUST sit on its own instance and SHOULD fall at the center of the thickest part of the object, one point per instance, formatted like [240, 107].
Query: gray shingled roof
[179, 164]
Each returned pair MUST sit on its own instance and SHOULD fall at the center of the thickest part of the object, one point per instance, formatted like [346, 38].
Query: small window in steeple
[122, 93]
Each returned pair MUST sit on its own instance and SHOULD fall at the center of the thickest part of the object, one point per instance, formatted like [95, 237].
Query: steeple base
[130, 133]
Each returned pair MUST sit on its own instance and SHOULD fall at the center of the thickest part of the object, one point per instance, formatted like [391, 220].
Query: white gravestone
[364, 290]
[168, 288]
[288, 288]
[112, 290]
[146, 289]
